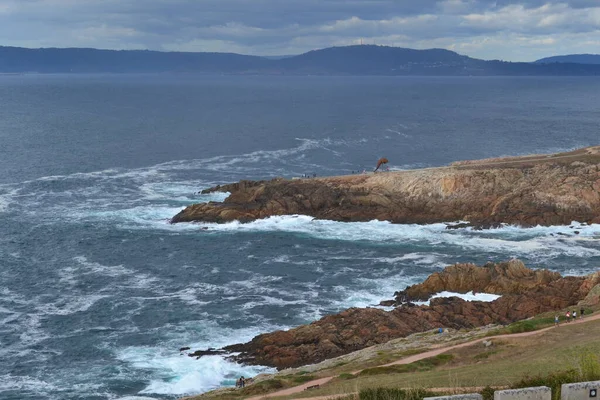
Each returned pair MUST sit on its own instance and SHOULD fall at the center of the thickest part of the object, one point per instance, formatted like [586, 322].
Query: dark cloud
[507, 29]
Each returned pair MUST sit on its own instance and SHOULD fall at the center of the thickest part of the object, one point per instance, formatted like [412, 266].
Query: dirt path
[410, 359]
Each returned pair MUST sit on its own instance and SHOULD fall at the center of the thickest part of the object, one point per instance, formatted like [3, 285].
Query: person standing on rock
[556, 320]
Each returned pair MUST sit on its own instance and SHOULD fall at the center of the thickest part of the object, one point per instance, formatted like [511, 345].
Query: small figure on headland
[240, 382]
[556, 320]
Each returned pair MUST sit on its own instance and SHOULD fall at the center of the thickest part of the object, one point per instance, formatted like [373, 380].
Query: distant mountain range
[572, 58]
[350, 60]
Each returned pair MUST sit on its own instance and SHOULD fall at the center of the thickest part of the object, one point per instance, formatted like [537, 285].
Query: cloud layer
[516, 30]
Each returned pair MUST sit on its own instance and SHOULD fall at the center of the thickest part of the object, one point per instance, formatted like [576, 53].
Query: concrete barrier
[580, 391]
[467, 396]
[532, 393]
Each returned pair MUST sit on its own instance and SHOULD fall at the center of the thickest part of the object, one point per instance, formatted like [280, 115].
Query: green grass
[303, 378]
[586, 369]
[263, 387]
[487, 354]
[421, 365]
[554, 355]
[529, 325]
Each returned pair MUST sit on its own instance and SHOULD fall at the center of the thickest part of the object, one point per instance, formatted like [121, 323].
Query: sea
[98, 291]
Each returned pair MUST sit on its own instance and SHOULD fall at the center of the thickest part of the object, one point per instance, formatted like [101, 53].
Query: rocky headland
[531, 190]
[524, 294]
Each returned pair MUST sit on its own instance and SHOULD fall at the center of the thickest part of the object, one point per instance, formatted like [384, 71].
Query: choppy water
[98, 291]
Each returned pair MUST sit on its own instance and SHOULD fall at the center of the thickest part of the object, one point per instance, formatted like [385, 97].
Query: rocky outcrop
[510, 277]
[546, 190]
[525, 293]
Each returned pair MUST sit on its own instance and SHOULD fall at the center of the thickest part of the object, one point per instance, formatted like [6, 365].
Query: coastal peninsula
[553, 189]
[529, 190]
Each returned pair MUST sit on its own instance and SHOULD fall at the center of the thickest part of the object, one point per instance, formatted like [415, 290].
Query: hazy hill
[350, 60]
[51, 60]
[572, 58]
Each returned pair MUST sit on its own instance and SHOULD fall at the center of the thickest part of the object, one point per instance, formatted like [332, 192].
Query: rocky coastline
[532, 190]
[524, 294]
[527, 191]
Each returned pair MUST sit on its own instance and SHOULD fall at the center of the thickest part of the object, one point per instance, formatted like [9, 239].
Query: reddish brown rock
[510, 277]
[528, 191]
[525, 293]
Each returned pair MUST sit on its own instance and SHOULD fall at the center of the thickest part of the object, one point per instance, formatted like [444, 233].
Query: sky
[511, 30]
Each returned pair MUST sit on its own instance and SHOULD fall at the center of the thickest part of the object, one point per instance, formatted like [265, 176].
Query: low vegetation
[569, 353]
[421, 365]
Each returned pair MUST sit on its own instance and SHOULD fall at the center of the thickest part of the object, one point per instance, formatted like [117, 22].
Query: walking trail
[410, 359]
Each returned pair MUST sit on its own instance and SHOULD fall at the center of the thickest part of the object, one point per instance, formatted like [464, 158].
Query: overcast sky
[515, 30]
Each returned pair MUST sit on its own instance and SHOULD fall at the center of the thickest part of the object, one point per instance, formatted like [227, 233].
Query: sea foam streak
[537, 242]
[469, 296]
[178, 374]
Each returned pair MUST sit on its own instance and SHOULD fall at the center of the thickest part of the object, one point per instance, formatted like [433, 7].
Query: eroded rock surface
[525, 293]
[511, 277]
[546, 190]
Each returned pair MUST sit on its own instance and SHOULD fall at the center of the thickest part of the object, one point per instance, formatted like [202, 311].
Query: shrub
[589, 366]
[488, 393]
[529, 325]
[553, 381]
[346, 376]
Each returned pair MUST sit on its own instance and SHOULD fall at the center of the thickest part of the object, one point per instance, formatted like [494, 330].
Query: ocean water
[98, 291]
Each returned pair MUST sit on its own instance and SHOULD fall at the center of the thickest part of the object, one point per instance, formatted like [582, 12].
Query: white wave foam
[272, 301]
[7, 198]
[24, 383]
[469, 296]
[176, 374]
[136, 398]
[510, 241]
[127, 277]
[370, 292]
[427, 260]
[69, 304]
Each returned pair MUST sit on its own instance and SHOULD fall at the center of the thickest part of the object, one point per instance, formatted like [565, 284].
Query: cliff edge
[530, 190]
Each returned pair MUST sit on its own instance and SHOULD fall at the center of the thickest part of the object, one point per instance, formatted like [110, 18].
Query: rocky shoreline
[533, 190]
[524, 294]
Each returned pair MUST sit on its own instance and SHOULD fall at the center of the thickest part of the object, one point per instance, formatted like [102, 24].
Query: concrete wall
[533, 393]
[469, 396]
[580, 391]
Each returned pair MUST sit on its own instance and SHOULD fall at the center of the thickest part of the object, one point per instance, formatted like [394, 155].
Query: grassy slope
[505, 362]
